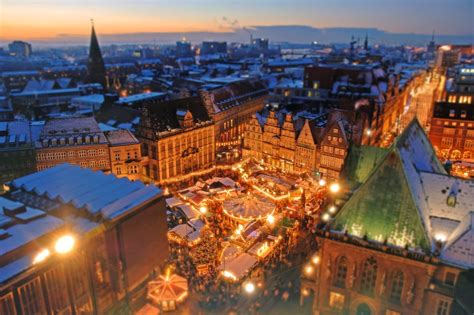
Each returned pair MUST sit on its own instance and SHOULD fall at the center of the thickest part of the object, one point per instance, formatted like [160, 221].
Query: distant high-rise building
[183, 48]
[20, 49]
[95, 64]
[260, 43]
[213, 48]
[432, 46]
[366, 42]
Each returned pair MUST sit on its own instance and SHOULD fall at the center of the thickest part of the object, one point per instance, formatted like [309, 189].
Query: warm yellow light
[332, 209]
[309, 270]
[203, 210]
[249, 287]
[271, 219]
[440, 237]
[368, 132]
[64, 244]
[41, 256]
[322, 182]
[335, 187]
[326, 217]
[315, 259]
[305, 292]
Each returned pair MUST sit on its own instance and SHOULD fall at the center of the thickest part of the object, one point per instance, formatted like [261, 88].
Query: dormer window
[451, 201]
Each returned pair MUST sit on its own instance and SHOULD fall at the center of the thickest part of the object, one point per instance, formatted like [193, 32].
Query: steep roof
[162, 116]
[360, 163]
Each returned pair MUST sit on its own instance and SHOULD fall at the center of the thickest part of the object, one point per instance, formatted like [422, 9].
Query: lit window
[443, 308]
[117, 156]
[336, 300]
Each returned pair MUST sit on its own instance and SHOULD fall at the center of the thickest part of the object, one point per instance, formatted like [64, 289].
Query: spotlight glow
[64, 244]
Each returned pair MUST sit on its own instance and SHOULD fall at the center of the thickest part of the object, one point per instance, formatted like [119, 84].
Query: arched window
[467, 155]
[455, 155]
[341, 272]
[397, 287]
[368, 276]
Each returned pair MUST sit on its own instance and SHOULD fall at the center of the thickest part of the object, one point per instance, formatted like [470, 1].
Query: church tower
[366, 42]
[95, 63]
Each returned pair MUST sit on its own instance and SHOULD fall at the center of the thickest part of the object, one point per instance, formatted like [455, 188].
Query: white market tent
[238, 266]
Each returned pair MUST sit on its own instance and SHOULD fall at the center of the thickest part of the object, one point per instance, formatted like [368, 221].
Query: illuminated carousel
[245, 208]
[168, 291]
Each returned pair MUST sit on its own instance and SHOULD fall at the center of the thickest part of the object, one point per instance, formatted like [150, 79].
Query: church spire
[366, 42]
[95, 64]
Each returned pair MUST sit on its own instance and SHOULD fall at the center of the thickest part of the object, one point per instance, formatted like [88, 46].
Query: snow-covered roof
[97, 192]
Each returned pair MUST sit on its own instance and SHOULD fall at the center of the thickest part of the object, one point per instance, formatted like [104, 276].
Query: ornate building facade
[399, 243]
[303, 142]
[177, 137]
[125, 154]
[76, 141]
[231, 106]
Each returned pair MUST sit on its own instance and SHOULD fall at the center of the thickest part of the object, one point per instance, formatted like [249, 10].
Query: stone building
[125, 154]
[177, 137]
[303, 142]
[17, 151]
[73, 242]
[76, 141]
[452, 123]
[400, 241]
[231, 106]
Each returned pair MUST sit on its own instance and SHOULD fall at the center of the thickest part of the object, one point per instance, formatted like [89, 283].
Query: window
[118, 170]
[92, 153]
[101, 152]
[82, 153]
[369, 276]
[136, 155]
[463, 114]
[117, 156]
[83, 164]
[336, 300]
[450, 278]
[443, 308]
[93, 164]
[7, 305]
[449, 131]
[31, 298]
[129, 156]
[397, 287]
[447, 142]
[341, 273]
[56, 287]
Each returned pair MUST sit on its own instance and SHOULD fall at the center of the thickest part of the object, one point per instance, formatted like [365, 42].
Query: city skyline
[70, 19]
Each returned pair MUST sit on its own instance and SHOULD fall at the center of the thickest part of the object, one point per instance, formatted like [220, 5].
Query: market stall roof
[248, 206]
[173, 201]
[182, 230]
[189, 211]
[167, 288]
[236, 267]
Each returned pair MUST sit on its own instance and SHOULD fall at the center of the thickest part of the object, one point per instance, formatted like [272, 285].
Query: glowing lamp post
[64, 244]
[249, 288]
[335, 187]
[308, 270]
[41, 256]
[315, 259]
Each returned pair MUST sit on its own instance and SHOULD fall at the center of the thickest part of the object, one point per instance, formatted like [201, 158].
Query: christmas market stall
[168, 291]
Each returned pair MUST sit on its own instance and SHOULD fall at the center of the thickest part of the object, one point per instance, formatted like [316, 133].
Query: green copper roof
[360, 162]
[383, 208]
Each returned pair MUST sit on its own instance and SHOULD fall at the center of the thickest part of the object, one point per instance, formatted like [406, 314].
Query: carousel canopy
[167, 288]
[248, 206]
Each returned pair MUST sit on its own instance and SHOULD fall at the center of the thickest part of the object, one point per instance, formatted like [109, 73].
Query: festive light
[322, 182]
[249, 287]
[309, 270]
[326, 217]
[315, 259]
[368, 132]
[64, 244]
[332, 209]
[335, 187]
[41, 256]
[203, 210]
[270, 219]
[440, 237]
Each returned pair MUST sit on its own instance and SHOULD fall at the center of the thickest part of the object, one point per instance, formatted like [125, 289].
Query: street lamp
[64, 244]
[270, 219]
[332, 209]
[249, 287]
[334, 188]
[203, 210]
[315, 259]
[41, 256]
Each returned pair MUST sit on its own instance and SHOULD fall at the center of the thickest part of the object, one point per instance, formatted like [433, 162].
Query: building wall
[343, 281]
[334, 146]
[178, 154]
[94, 156]
[125, 161]
[97, 276]
[16, 162]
